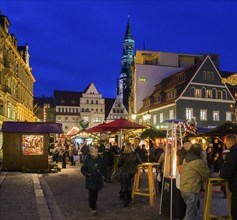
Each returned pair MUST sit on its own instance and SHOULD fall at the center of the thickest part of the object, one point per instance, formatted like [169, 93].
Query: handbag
[117, 174]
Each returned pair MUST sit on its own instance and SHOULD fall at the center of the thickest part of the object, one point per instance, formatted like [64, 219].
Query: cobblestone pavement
[67, 198]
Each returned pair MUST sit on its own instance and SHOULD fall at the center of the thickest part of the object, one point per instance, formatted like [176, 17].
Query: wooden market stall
[25, 144]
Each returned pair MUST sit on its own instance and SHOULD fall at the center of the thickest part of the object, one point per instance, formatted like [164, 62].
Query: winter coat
[133, 160]
[194, 170]
[229, 168]
[108, 158]
[93, 170]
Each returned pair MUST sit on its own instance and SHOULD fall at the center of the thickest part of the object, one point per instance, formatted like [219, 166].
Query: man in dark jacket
[108, 158]
[229, 171]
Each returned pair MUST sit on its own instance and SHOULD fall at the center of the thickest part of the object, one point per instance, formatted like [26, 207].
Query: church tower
[125, 79]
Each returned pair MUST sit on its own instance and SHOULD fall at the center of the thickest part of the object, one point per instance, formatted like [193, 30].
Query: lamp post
[146, 118]
[134, 117]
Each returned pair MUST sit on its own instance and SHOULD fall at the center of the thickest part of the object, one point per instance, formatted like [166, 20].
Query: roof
[171, 82]
[108, 105]
[70, 98]
[31, 127]
[128, 34]
[40, 101]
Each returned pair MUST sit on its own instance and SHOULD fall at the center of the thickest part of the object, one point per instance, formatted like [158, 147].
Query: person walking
[72, 151]
[93, 170]
[129, 160]
[229, 171]
[108, 158]
[84, 151]
[194, 170]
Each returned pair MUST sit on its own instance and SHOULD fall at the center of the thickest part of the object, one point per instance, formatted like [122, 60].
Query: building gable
[91, 89]
[207, 77]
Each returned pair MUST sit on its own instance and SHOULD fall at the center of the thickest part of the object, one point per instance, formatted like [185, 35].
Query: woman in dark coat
[92, 169]
[129, 160]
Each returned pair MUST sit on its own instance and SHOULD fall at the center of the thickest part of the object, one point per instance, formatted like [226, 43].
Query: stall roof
[31, 127]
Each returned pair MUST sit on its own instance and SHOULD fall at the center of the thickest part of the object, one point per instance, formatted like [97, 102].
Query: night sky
[75, 42]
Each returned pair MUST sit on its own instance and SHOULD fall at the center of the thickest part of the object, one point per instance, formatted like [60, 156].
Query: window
[96, 102]
[73, 101]
[154, 119]
[32, 145]
[86, 119]
[59, 119]
[62, 101]
[208, 93]
[181, 78]
[114, 111]
[66, 128]
[96, 109]
[228, 116]
[188, 113]
[198, 93]
[87, 101]
[216, 116]
[92, 101]
[203, 114]
[219, 94]
[161, 117]
[171, 114]
[97, 119]
[66, 118]
[170, 94]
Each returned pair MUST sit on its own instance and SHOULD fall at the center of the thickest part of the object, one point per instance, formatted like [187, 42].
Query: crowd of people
[194, 166]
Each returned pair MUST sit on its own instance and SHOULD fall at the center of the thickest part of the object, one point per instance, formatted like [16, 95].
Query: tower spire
[128, 33]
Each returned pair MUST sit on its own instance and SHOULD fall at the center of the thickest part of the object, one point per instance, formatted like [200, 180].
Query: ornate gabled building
[16, 78]
[114, 109]
[196, 91]
[79, 109]
[125, 79]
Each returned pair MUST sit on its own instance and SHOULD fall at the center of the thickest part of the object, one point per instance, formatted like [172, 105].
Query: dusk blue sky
[75, 42]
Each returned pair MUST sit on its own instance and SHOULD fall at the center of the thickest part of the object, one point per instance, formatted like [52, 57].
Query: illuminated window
[198, 93]
[208, 93]
[62, 101]
[188, 113]
[171, 114]
[203, 114]
[161, 117]
[97, 119]
[154, 119]
[228, 116]
[216, 116]
[32, 144]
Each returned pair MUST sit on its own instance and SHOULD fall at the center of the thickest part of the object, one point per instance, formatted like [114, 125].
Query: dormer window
[170, 94]
[181, 78]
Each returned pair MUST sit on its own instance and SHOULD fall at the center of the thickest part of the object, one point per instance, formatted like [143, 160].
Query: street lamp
[134, 117]
[147, 117]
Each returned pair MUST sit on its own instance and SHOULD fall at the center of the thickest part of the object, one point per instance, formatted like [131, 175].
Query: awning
[31, 127]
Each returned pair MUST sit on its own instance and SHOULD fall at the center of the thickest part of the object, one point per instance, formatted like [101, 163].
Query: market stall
[25, 144]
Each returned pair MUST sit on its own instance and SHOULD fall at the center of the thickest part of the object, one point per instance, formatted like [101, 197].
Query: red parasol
[98, 128]
[123, 123]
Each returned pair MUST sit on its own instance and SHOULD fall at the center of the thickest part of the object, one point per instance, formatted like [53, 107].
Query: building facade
[16, 78]
[79, 109]
[194, 92]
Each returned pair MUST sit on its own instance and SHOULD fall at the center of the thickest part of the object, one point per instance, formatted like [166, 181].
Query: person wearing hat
[229, 171]
[92, 169]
